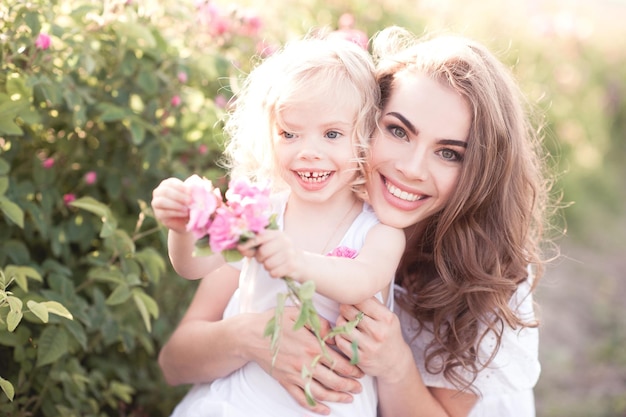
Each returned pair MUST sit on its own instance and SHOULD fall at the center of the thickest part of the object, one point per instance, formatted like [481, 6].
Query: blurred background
[99, 101]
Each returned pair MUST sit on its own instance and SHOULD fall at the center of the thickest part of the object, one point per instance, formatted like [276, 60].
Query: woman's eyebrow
[413, 130]
[453, 142]
[404, 121]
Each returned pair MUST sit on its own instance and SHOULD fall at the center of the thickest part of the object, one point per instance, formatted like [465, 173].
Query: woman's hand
[334, 380]
[378, 337]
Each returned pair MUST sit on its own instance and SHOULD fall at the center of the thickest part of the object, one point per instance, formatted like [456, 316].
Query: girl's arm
[180, 247]
[204, 347]
[344, 280]
[383, 353]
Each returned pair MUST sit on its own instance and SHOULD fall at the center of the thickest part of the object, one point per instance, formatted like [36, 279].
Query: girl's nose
[311, 148]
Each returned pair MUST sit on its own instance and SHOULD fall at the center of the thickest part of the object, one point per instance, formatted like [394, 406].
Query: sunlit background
[150, 80]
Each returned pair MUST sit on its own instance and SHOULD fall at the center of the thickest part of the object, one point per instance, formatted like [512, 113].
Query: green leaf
[120, 294]
[307, 290]
[4, 184]
[122, 391]
[92, 205]
[13, 319]
[12, 210]
[147, 307]
[52, 345]
[21, 273]
[57, 308]
[7, 388]
[232, 255]
[38, 310]
[4, 167]
[111, 113]
[109, 223]
[8, 112]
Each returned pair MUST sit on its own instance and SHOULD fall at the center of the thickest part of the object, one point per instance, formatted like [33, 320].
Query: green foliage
[125, 95]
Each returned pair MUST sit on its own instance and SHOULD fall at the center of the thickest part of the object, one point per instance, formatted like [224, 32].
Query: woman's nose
[414, 164]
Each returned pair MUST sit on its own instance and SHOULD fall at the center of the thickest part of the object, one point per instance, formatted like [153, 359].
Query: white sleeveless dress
[250, 391]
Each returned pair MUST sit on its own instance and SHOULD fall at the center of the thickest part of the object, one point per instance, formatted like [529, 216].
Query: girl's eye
[450, 155]
[287, 135]
[333, 134]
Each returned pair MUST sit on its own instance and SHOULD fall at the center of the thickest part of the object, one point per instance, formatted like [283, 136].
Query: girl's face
[314, 148]
[417, 154]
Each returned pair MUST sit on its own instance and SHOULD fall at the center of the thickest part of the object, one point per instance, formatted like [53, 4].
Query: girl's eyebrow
[413, 130]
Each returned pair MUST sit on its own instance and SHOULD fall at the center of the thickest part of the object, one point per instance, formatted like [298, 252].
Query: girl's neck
[320, 227]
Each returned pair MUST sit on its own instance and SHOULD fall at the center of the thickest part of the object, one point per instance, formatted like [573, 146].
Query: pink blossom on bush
[47, 163]
[220, 101]
[348, 32]
[182, 76]
[68, 198]
[250, 24]
[43, 41]
[343, 252]
[203, 149]
[205, 199]
[91, 177]
[176, 100]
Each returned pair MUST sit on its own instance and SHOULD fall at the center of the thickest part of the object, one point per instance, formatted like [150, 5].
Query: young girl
[302, 120]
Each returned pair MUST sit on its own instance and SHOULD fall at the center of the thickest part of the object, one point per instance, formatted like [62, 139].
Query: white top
[506, 385]
[250, 391]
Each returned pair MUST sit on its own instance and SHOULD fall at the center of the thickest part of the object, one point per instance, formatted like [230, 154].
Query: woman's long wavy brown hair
[461, 270]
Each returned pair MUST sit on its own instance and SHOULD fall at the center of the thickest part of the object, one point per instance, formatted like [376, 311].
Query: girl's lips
[313, 180]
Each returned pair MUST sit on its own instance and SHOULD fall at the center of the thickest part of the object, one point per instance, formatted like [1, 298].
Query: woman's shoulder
[515, 366]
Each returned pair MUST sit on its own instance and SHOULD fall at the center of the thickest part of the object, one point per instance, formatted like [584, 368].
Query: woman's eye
[450, 155]
[397, 131]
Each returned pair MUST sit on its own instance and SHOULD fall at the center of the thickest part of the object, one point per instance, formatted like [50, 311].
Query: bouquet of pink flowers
[220, 225]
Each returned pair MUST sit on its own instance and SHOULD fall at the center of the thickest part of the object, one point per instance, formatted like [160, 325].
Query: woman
[454, 163]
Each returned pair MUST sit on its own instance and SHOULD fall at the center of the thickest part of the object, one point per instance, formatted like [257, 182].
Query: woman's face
[417, 154]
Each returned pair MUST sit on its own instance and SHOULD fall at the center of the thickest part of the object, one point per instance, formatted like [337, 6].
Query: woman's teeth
[403, 195]
[314, 176]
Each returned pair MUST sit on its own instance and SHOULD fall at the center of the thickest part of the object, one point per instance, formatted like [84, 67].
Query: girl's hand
[276, 252]
[378, 336]
[170, 203]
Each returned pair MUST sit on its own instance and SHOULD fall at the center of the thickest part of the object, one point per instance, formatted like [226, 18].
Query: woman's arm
[384, 353]
[204, 347]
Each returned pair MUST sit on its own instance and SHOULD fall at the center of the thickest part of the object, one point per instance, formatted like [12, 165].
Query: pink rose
[182, 77]
[68, 198]
[47, 163]
[91, 177]
[42, 42]
[225, 231]
[205, 199]
[176, 101]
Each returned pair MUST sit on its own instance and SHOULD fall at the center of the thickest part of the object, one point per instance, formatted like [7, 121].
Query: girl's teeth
[314, 176]
[403, 195]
